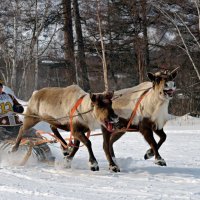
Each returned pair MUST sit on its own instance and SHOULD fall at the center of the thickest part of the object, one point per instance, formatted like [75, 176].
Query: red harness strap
[135, 108]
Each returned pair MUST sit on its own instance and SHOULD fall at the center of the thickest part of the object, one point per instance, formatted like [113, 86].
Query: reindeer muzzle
[169, 92]
[112, 123]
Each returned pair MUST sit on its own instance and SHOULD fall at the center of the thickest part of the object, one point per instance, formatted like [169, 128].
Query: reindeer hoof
[160, 162]
[67, 162]
[149, 154]
[114, 168]
[14, 148]
[94, 166]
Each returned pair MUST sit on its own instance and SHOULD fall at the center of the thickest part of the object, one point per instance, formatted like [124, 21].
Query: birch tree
[103, 57]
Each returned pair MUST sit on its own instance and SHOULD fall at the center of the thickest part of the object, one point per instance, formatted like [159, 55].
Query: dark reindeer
[150, 115]
[54, 105]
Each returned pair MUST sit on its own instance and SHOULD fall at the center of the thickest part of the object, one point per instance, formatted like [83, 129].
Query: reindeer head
[163, 83]
[103, 109]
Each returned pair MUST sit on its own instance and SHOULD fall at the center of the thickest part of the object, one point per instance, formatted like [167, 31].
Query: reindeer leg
[75, 148]
[55, 131]
[28, 123]
[114, 137]
[106, 142]
[18, 140]
[145, 129]
[69, 158]
[162, 136]
[149, 154]
[92, 160]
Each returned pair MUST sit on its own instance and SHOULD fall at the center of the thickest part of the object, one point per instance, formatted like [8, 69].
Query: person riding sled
[10, 125]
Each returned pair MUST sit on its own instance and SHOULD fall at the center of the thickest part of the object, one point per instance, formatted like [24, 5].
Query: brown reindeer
[54, 105]
[152, 99]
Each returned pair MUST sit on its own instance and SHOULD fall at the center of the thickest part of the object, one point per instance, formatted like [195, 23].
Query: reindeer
[148, 104]
[55, 105]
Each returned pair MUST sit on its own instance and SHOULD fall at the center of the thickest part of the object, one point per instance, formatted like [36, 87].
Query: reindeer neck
[158, 109]
[87, 117]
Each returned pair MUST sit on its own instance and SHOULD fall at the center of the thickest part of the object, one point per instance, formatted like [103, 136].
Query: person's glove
[18, 108]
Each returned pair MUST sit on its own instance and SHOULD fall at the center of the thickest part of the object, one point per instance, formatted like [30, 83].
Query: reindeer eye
[106, 101]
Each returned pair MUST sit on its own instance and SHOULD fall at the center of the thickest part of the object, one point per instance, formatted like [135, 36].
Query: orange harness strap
[78, 103]
[135, 108]
[51, 141]
[88, 133]
[45, 140]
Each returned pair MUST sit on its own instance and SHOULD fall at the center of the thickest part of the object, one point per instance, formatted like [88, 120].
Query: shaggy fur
[54, 105]
[151, 115]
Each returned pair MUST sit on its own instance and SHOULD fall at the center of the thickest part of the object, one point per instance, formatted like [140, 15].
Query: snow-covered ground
[138, 179]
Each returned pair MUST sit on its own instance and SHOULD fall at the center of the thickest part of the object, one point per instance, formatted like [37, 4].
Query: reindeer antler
[175, 69]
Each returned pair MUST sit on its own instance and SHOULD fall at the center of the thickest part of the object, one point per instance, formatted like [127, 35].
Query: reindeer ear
[151, 76]
[93, 97]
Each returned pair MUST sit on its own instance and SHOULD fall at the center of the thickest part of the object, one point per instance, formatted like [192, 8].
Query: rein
[71, 116]
[78, 103]
[57, 119]
[120, 95]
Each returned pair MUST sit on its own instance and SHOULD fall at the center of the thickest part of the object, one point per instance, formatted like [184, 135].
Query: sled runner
[32, 145]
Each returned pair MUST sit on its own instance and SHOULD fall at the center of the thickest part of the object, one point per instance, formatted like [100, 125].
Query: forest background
[59, 42]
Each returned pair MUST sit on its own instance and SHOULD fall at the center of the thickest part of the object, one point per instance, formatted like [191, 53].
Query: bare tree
[15, 37]
[33, 48]
[105, 70]
[174, 22]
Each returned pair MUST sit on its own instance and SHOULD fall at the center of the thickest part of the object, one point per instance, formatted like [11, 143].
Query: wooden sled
[38, 147]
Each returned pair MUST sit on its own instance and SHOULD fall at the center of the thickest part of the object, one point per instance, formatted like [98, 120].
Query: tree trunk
[68, 41]
[82, 72]
[141, 43]
[140, 62]
[112, 60]
[14, 63]
[36, 54]
[105, 70]
[144, 26]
